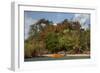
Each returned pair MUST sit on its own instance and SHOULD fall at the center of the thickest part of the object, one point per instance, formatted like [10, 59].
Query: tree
[85, 39]
[52, 43]
[66, 42]
[67, 36]
[37, 42]
[38, 26]
[28, 48]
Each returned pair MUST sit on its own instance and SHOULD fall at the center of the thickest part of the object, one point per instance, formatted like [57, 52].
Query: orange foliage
[56, 55]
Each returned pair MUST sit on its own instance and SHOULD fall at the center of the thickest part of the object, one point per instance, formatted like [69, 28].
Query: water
[50, 59]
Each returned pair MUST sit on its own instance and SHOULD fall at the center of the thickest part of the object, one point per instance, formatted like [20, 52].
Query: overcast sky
[32, 17]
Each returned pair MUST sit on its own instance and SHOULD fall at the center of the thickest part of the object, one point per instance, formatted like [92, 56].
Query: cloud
[83, 19]
[28, 21]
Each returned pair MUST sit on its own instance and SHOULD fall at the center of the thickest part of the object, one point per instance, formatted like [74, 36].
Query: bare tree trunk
[65, 53]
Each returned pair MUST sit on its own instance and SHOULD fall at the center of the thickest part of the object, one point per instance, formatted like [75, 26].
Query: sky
[31, 17]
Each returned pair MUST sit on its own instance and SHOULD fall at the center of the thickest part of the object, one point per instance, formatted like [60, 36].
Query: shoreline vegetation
[65, 40]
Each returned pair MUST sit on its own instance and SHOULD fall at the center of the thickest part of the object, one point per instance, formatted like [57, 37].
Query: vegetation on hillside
[46, 38]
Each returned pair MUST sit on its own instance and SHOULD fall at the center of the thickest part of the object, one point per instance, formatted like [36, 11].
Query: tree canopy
[67, 36]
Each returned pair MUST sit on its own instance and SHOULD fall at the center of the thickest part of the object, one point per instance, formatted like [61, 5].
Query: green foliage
[65, 36]
[52, 43]
[28, 50]
[85, 39]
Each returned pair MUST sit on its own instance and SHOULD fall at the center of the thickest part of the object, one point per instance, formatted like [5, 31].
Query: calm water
[63, 58]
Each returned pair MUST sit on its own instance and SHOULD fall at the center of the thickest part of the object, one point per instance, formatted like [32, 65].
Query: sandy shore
[70, 55]
[78, 54]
